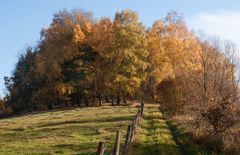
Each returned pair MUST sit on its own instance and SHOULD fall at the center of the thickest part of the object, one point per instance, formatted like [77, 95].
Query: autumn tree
[172, 49]
[158, 68]
[100, 40]
[128, 54]
[78, 75]
[60, 42]
[79, 59]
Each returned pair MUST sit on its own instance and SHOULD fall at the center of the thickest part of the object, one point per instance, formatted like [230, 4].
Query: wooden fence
[131, 131]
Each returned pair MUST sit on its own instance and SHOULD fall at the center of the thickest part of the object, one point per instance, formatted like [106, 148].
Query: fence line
[131, 131]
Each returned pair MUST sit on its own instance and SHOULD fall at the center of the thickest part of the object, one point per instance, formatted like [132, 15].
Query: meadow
[72, 131]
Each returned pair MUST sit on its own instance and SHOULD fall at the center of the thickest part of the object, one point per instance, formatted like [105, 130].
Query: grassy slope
[75, 131]
[153, 135]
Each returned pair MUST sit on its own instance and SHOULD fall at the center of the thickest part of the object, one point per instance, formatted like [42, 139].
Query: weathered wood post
[116, 148]
[127, 139]
[101, 148]
[132, 132]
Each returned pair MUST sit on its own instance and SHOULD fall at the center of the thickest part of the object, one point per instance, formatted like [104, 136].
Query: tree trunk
[51, 104]
[93, 100]
[86, 102]
[100, 99]
[124, 98]
[135, 97]
[79, 101]
[72, 101]
[112, 101]
[118, 98]
[106, 98]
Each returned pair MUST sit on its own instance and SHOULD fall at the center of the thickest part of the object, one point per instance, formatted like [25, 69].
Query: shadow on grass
[59, 110]
[155, 149]
[149, 117]
[98, 120]
[81, 149]
[186, 142]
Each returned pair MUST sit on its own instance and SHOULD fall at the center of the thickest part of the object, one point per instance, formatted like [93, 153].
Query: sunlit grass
[75, 131]
[153, 135]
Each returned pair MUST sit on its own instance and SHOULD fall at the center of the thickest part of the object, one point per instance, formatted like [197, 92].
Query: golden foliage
[78, 35]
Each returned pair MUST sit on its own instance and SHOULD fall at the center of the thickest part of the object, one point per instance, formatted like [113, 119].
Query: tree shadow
[155, 149]
[80, 149]
[97, 120]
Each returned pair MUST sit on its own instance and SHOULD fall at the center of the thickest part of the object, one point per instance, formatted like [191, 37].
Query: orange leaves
[172, 48]
[88, 27]
[101, 36]
[78, 35]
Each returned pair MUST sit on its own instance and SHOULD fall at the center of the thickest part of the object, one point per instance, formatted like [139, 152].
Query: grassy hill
[75, 131]
[78, 131]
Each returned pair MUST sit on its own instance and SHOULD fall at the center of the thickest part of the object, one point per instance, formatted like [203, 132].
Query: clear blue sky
[21, 21]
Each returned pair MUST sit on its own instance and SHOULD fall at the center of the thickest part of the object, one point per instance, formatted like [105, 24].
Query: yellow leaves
[172, 48]
[88, 27]
[128, 52]
[120, 78]
[159, 24]
[65, 89]
[101, 36]
[78, 35]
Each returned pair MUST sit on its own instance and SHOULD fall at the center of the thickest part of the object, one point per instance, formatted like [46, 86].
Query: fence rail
[131, 131]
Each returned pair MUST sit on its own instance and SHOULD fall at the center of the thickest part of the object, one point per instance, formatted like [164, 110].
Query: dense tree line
[79, 59]
[2, 106]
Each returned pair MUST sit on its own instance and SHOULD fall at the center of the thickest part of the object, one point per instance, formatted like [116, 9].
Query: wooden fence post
[116, 148]
[101, 148]
[127, 138]
[132, 132]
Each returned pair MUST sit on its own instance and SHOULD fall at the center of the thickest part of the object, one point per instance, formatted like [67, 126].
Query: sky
[22, 21]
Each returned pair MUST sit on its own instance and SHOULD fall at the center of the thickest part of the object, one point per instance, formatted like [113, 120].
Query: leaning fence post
[116, 148]
[127, 139]
[101, 148]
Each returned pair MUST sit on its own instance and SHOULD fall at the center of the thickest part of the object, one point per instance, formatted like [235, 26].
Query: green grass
[78, 131]
[75, 131]
[153, 135]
